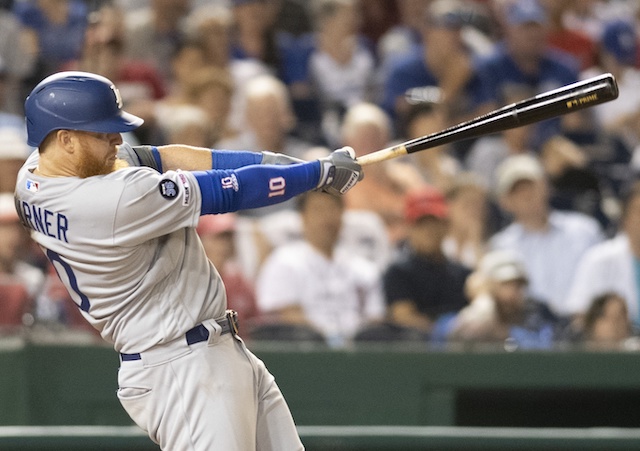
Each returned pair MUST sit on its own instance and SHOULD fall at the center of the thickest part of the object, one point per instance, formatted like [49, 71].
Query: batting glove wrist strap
[278, 159]
[339, 172]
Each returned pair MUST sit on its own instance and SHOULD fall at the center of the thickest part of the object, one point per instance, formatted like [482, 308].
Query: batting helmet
[75, 101]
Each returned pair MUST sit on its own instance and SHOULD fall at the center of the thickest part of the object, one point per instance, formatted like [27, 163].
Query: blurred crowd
[529, 237]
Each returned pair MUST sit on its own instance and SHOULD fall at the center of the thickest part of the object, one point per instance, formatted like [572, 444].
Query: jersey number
[276, 186]
[73, 282]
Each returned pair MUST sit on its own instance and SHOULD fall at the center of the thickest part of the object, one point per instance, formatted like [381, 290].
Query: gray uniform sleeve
[138, 156]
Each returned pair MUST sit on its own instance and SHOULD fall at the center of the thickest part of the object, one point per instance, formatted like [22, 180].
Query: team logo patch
[32, 186]
[168, 189]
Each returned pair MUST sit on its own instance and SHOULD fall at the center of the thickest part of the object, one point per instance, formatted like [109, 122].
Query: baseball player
[118, 224]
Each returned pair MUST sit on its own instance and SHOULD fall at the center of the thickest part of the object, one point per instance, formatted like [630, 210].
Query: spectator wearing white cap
[13, 152]
[500, 308]
[550, 242]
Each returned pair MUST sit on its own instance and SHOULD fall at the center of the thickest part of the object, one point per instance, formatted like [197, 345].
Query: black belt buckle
[232, 318]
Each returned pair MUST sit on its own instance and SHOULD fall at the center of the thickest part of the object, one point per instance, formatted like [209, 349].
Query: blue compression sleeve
[232, 159]
[254, 186]
[156, 157]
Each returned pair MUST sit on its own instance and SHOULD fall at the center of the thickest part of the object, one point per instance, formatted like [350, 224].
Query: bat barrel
[567, 99]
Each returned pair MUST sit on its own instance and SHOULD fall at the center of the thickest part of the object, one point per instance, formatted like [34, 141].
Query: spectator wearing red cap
[422, 285]
[217, 233]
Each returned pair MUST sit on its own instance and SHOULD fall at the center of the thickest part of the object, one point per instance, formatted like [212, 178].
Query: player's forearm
[190, 158]
[254, 186]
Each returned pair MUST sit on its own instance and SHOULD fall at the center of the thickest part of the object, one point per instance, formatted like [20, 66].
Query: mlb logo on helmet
[118, 96]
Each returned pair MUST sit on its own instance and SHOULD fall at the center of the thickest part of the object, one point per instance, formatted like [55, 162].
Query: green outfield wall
[375, 388]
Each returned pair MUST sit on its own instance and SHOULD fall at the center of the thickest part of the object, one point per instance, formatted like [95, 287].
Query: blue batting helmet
[75, 101]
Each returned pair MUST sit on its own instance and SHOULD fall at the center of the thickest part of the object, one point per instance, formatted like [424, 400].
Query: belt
[228, 323]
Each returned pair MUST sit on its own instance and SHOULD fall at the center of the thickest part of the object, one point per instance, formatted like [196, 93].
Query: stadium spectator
[614, 265]
[439, 165]
[575, 185]
[17, 61]
[55, 31]
[575, 42]
[468, 202]
[154, 32]
[341, 65]
[315, 282]
[422, 286]
[217, 233]
[188, 58]
[405, 35]
[442, 59]
[367, 128]
[618, 55]
[13, 153]
[211, 25]
[550, 242]
[524, 58]
[211, 88]
[606, 323]
[20, 282]
[500, 308]
[7, 117]
[253, 34]
[487, 152]
[187, 124]
[269, 120]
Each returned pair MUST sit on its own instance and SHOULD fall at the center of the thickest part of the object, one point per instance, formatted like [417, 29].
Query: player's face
[97, 153]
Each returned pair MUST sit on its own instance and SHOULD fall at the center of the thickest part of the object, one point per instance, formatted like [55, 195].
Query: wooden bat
[567, 99]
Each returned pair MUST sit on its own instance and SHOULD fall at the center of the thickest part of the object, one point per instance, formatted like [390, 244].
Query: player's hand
[279, 159]
[339, 172]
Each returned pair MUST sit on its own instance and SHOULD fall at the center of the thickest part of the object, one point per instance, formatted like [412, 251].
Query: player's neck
[48, 166]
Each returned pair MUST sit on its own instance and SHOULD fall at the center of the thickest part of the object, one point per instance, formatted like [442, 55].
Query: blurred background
[479, 295]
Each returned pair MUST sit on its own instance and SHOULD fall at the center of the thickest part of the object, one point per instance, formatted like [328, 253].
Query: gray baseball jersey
[121, 243]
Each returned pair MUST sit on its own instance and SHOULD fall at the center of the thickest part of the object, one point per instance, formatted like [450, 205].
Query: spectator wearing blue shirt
[56, 29]
[550, 242]
[524, 59]
[442, 60]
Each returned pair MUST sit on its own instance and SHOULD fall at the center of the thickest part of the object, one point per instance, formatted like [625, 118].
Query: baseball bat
[567, 99]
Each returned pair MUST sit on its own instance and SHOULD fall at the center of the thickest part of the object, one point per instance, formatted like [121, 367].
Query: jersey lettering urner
[41, 220]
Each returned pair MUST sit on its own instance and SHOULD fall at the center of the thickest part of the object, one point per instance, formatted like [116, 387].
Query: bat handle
[382, 155]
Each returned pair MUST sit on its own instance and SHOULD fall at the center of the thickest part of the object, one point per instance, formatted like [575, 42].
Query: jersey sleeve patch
[168, 189]
[186, 188]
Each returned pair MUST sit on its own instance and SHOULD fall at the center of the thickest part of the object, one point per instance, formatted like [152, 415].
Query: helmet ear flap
[76, 101]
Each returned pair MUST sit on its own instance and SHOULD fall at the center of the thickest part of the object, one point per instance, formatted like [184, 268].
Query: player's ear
[65, 140]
